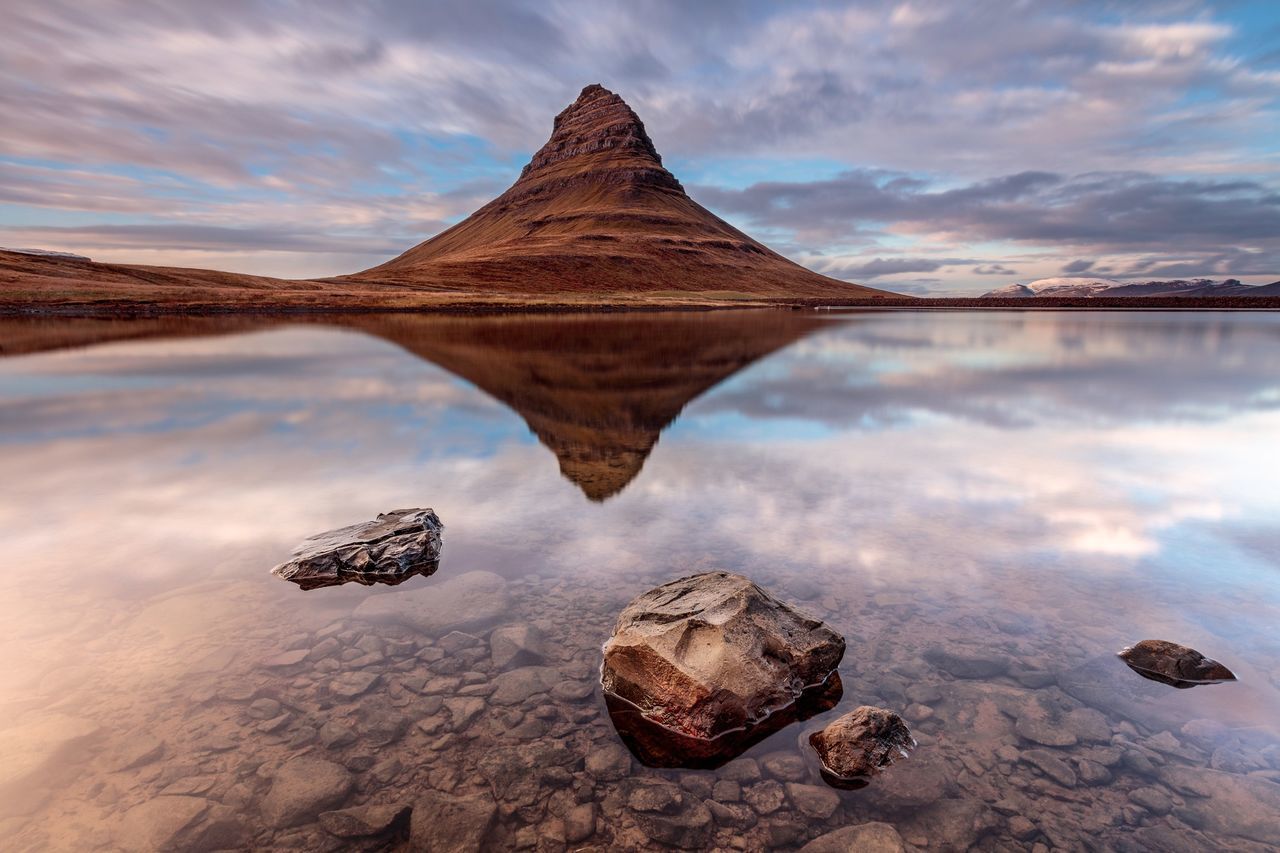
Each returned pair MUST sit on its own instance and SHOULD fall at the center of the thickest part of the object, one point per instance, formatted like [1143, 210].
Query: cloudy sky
[917, 146]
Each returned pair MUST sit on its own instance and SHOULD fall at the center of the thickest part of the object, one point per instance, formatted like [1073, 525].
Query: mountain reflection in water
[596, 389]
[985, 505]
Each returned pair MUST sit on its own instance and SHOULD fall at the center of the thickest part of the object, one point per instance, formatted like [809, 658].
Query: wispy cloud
[387, 119]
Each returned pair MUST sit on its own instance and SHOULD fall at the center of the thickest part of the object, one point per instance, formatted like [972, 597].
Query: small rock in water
[714, 652]
[1175, 665]
[862, 743]
[390, 549]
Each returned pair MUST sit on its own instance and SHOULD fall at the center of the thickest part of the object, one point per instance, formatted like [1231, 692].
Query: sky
[922, 147]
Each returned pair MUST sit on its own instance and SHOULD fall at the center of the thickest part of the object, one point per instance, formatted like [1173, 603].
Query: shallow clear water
[1030, 490]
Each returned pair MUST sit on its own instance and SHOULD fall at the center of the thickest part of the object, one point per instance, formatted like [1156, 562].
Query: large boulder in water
[711, 653]
[1173, 664]
[392, 548]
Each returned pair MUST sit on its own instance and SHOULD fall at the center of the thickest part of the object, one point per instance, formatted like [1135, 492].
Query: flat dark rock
[1173, 664]
[390, 549]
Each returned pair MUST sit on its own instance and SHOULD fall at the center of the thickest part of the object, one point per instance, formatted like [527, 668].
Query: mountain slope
[595, 211]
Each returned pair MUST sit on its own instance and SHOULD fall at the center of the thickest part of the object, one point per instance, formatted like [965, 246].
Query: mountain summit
[595, 212]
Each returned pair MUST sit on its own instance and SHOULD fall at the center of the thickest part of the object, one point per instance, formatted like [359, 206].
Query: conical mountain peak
[596, 212]
[599, 130]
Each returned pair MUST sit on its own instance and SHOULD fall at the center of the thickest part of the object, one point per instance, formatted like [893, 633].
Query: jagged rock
[442, 823]
[469, 600]
[1172, 664]
[714, 652]
[159, 823]
[361, 821]
[863, 838]
[302, 788]
[862, 742]
[390, 549]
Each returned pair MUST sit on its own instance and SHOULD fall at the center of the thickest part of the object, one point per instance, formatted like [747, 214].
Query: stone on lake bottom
[159, 823]
[393, 547]
[710, 653]
[443, 823]
[363, 821]
[1173, 664]
[862, 743]
[469, 600]
[863, 838]
[302, 788]
[965, 663]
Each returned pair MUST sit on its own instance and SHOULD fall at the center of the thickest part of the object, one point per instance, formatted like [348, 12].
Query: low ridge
[595, 211]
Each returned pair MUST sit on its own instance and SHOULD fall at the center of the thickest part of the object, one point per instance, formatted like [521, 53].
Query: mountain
[1016, 291]
[593, 212]
[1105, 287]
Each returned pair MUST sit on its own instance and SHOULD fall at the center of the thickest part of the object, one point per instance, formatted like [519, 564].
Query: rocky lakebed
[467, 714]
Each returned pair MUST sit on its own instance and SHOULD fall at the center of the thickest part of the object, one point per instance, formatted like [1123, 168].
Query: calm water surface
[1011, 496]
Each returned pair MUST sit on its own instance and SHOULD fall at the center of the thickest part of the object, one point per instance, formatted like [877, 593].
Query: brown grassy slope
[595, 212]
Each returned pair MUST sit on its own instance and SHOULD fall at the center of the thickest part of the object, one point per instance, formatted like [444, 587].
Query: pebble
[765, 797]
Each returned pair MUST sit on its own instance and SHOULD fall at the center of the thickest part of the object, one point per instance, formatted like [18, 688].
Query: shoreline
[123, 310]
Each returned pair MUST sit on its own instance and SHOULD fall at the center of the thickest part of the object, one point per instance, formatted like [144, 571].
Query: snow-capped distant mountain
[46, 253]
[1012, 290]
[1093, 287]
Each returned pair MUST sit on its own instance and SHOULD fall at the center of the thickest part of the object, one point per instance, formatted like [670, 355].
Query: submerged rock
[303, 788]
[469, 600]
[390, 549]
[862, 743]
[1173, 664]
[711, 653]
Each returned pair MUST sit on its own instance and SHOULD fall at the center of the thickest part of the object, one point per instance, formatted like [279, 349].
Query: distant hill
[1080, 287]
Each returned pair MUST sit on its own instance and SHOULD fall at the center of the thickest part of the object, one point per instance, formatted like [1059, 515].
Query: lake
[987, 505]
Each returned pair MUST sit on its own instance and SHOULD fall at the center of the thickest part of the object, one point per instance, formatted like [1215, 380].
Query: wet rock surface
[714, 652]
[1173, 664]
[862, 743]
[392, 548]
